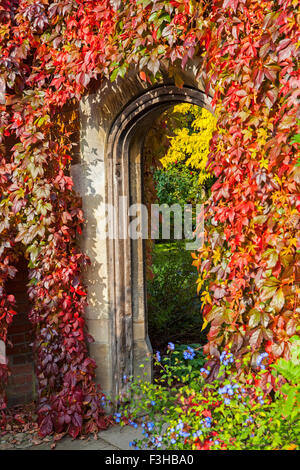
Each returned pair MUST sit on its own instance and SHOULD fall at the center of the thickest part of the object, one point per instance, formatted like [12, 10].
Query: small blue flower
[208, 422]
[153, 403]
[189, 353]
[150, 426]
[226, 401]
[158, 441]
[158, 357]
[171, 346]
[226, 358]
[179, 426]
[184, 434]
[249, 420]
[260, 359]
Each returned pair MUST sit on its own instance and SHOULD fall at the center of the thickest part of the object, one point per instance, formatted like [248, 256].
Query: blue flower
[184, 434]
[226, 401]
[171, 346]
[158, 441]
[226, 358]
[153, 402]
[158, 357]
[132, 423]
[208, 422]
[204, 371]
[226, 390]
[189, 353]
[150, 426]
[260, 359]
[179, 426]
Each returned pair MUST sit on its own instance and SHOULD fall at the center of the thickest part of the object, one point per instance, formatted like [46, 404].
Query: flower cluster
[226, 358]
[207, 422]
[189, 353]
[228, 391]
[195, 417]
[180, 430]
[260, 359]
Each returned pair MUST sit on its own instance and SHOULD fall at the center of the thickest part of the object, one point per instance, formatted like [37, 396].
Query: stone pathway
[114, 438]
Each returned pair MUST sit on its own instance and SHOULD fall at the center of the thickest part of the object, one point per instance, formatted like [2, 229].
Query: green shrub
[177, 184]
[173, 304]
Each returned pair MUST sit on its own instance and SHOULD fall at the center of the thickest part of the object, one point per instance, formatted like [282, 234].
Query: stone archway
[113, 124]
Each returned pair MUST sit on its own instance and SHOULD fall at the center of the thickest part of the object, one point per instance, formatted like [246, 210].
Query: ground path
[114, 438]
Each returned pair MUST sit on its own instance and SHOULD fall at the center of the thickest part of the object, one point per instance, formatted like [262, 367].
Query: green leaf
[114, 75]
[255, 317]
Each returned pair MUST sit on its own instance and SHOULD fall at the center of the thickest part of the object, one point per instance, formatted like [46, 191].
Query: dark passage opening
[21, 385]
[174, 171]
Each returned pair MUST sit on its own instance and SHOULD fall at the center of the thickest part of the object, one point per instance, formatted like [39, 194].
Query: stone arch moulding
[110, 174]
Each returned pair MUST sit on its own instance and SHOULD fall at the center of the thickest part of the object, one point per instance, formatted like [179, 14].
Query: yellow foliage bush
[190, 142]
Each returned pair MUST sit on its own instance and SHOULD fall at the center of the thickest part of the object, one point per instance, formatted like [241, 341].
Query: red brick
[22, 388]
[24, 369]
[20, 333]
[17, 380]
[18, 328]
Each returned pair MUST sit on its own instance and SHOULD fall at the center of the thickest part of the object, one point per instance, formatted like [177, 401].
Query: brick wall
[21, 384]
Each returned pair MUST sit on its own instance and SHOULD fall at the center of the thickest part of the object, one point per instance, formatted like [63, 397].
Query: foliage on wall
[246, 53]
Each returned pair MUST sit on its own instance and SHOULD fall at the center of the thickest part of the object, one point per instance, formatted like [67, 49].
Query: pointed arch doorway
[109, 175]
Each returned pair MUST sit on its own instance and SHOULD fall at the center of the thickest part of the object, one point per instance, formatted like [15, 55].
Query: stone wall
[113, 121]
